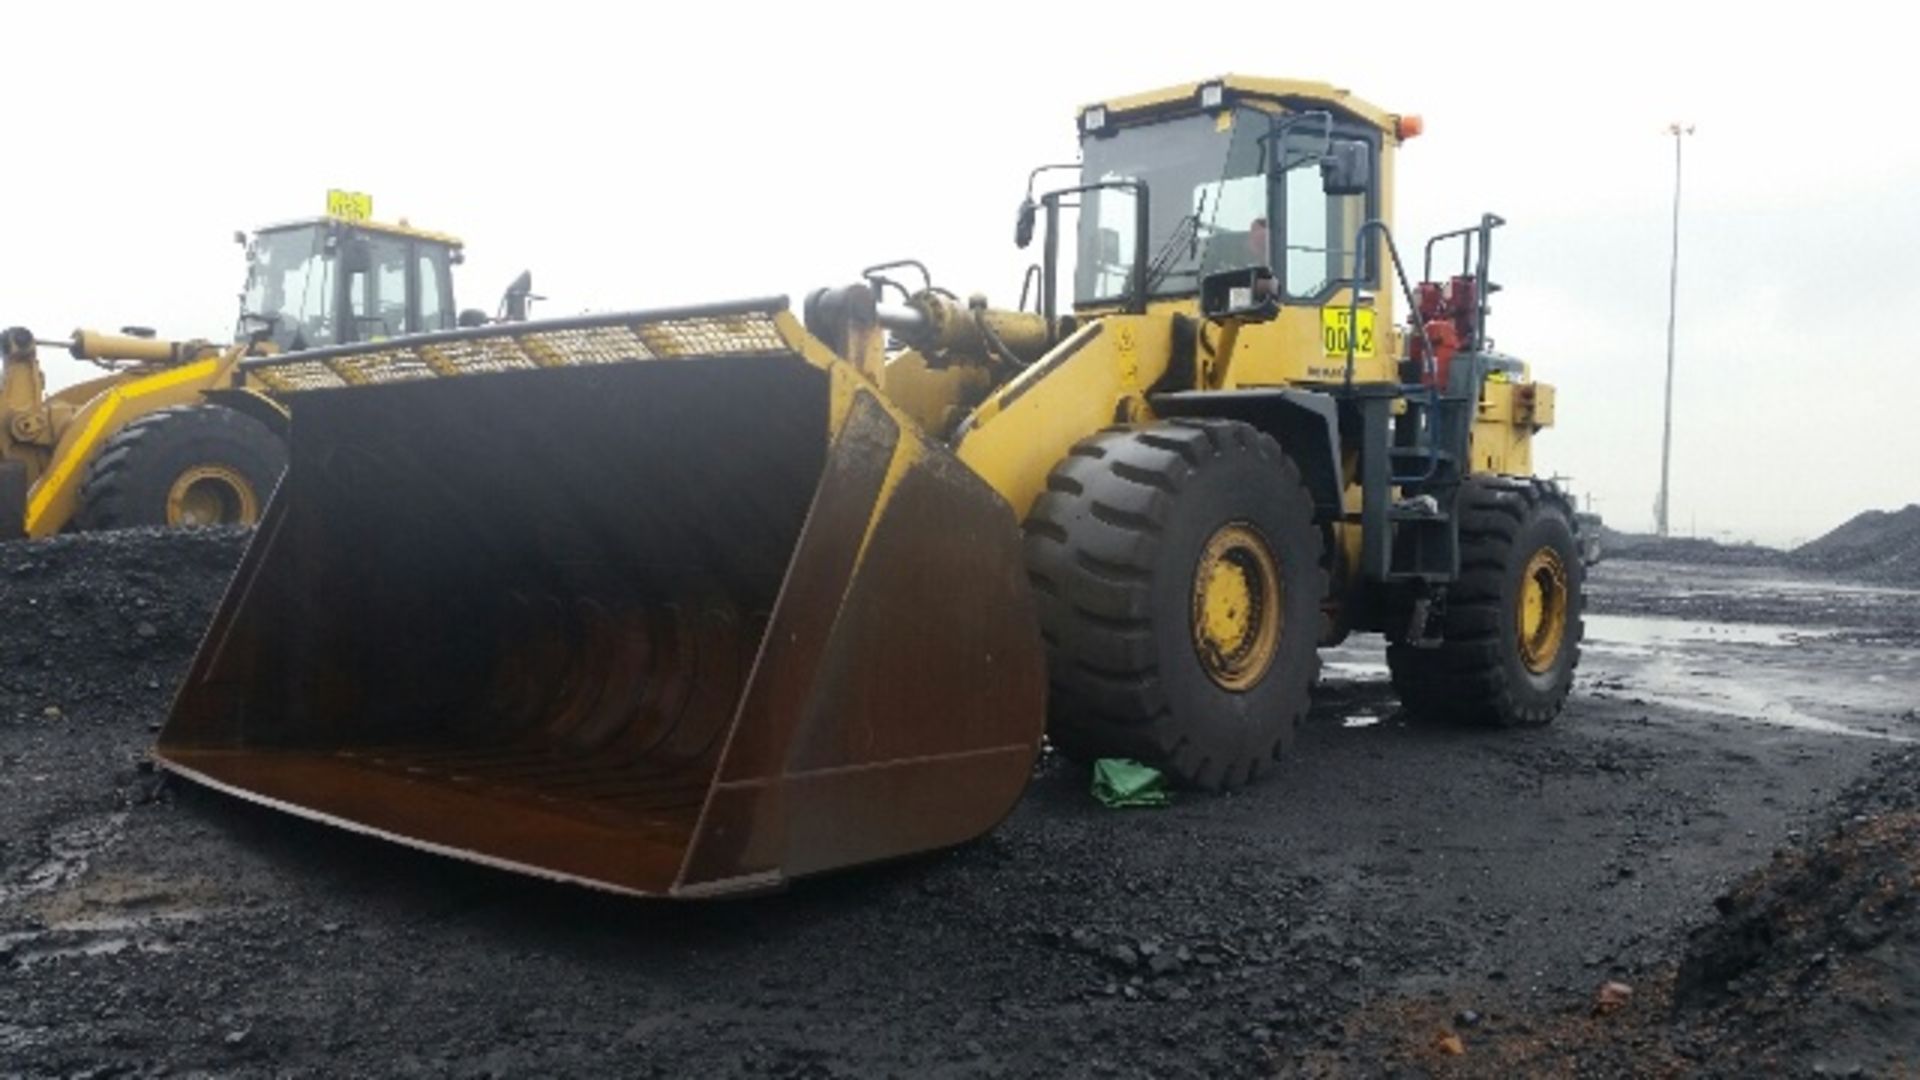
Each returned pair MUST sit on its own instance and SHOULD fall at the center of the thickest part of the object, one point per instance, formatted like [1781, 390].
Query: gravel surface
[1391, 889]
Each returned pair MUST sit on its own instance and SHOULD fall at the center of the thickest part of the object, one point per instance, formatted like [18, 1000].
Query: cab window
[376, 305]
[290, 286]
[436, 291]
[1316, 244]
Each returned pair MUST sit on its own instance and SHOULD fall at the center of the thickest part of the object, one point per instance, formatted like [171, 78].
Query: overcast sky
[638, 156]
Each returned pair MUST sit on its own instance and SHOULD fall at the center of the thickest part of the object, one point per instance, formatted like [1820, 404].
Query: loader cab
[329, 281]
[1234, 179]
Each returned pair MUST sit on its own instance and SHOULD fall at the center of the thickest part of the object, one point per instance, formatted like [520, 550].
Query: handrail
[1484, 230]
[1406, 290]
[1426, 354]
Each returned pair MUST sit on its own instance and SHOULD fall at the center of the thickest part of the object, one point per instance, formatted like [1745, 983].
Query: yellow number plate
[350, 205]
[1335, 330]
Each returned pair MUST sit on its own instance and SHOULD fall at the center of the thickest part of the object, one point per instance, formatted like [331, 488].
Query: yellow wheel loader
[697, 601]
[172, 435]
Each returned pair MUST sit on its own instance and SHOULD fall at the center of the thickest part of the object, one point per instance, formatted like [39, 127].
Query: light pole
[1673, 293]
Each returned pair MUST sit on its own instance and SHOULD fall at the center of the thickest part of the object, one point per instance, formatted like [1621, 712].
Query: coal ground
[1392, 895]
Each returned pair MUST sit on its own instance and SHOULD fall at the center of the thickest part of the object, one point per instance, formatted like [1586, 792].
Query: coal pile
[105, 623]
[1814, 963]
[1690, 550]
[1877, 546]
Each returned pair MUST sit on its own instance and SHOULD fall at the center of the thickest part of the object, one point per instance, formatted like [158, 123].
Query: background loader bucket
[671, 604]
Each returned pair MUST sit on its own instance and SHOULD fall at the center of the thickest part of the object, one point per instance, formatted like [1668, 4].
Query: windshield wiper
[1186, 230]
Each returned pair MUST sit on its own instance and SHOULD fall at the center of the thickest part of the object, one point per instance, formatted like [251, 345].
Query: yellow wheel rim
[1542, 611]
[211, 495]
[1237, 610]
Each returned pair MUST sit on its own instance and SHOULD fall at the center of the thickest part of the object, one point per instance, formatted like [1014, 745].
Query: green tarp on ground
[1120, 783]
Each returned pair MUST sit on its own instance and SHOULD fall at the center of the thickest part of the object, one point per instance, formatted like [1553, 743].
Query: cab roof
[1283, 91]
[401, 230]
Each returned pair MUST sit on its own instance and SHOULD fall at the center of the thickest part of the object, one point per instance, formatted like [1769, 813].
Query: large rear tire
[185, 466]
[1512, 626]
[1179, 579]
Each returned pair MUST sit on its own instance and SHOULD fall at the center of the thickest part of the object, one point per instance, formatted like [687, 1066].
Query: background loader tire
[1179, 579]
[1497, 665]
[188, 465]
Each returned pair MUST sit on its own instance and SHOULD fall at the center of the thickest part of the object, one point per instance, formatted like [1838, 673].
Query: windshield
[1208, 203]
[1207, 183]
[289, 288]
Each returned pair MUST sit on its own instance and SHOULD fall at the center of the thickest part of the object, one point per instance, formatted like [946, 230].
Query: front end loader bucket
[669, 603]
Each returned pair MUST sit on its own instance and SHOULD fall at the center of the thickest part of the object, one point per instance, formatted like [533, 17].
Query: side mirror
[1248, 294]
[1023, 225]
[240, 238]
[471, 318]
[1347, 168]
[518, 294]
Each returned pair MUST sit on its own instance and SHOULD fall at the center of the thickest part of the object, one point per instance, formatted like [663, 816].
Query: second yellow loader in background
[697, 601]
[173, 434]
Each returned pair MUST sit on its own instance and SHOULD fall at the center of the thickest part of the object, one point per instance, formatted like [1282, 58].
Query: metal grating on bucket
[748, 329]
[477, 356]
[386, 366]
[588, 345]
[712, 336]
[288, 378]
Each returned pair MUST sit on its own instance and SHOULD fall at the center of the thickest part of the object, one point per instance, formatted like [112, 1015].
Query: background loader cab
[331, 281]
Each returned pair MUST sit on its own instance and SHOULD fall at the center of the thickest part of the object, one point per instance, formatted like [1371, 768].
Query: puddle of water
[1769, 711]
[1742, 671]
[68, 850]
[103, 935]
[1784, 588]
[115, 924]
[1644, 634]
[28, 953]
[1361, 658]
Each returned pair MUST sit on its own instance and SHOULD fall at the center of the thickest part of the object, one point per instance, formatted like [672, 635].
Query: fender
[254, 403]
[52, 502]
[1305, 423]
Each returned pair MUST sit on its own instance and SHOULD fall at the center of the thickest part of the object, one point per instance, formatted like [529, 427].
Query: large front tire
[1512, 626]
[185, 466]
[1179, 578]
